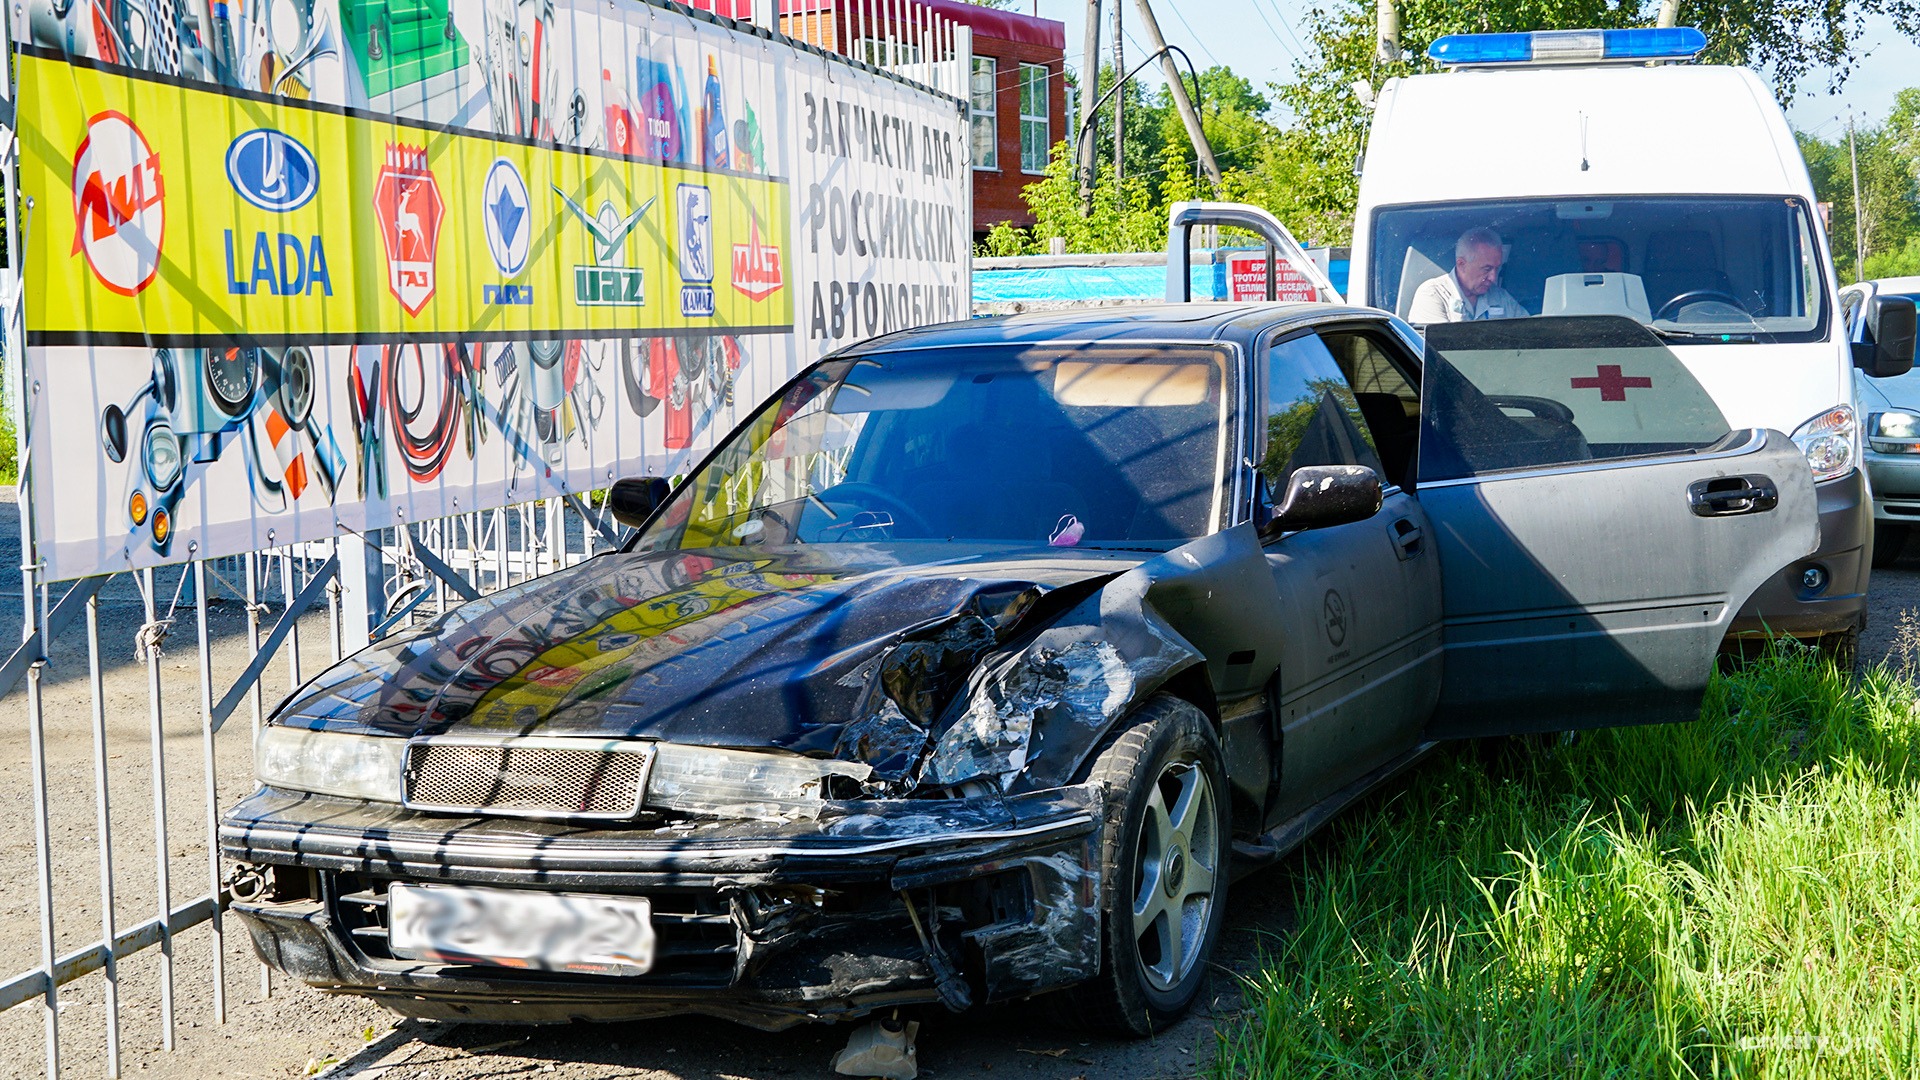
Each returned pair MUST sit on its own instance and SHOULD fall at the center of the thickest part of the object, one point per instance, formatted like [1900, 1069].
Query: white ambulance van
[1618, 178]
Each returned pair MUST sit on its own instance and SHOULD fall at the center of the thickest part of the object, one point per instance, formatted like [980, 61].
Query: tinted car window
[1389, 402]
[1312, 416]
[1523, 394]
[1000, 444]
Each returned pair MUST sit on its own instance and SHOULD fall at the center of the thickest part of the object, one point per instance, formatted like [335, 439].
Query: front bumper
[1896, 487]
[766, 923]
[1783, 605]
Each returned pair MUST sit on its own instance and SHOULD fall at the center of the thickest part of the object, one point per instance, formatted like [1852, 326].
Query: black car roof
[1196, 322]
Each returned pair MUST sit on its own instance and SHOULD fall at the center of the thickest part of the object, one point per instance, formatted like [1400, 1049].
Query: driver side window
[1312, 416]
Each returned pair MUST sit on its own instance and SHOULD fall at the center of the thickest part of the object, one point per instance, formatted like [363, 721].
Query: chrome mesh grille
[505, 778]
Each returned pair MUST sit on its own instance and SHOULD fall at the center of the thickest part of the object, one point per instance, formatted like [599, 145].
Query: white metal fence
[243, 621]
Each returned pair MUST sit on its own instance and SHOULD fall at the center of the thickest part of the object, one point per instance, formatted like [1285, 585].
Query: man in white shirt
[1472, 290]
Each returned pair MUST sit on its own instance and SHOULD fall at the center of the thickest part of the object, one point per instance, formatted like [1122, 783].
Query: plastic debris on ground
[883, 1048]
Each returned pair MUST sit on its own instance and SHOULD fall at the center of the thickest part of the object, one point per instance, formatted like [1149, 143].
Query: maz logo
[271, 170]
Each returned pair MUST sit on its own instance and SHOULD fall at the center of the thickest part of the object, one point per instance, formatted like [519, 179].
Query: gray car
[1891, 407]
[980, 659]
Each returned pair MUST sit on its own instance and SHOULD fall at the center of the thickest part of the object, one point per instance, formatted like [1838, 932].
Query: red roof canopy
[986, 22]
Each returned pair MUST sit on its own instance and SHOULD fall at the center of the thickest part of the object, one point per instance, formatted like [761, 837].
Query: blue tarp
[1107, 282]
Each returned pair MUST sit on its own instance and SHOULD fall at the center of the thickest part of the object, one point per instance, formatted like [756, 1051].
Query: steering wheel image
[1692, 295]
[868, 493]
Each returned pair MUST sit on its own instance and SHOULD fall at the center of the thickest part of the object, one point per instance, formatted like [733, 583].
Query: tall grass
[1736, 897]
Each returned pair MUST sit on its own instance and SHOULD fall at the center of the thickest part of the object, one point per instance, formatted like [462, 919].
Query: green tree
[1320, 146]
[1888, 217]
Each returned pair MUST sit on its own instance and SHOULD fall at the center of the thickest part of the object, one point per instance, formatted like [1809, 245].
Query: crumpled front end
[769, 923]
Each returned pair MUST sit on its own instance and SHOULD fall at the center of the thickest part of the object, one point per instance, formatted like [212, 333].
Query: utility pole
[1386, 31]
[1669, 13]
[1120, 97]
[1089, 96]
[1859, 212]
[1181, 101]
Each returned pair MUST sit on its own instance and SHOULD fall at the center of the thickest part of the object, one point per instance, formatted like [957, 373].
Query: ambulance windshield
[1720, 269]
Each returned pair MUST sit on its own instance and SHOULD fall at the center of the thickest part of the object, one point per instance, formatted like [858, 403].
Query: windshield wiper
[1744, 338]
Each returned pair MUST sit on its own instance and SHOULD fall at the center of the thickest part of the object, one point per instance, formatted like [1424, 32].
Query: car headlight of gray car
[538, 777]
[1894, 432]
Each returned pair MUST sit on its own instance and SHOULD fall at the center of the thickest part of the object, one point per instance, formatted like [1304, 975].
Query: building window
[986, 145]
[1034, 135]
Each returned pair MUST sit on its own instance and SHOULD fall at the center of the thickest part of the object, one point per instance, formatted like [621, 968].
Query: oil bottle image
[713, 120]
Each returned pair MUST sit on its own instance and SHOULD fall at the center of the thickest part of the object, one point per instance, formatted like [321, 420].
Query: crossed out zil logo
[696, 250]
[275, 172]
[410, 210]
[119, 211]
[609, 282]
[503, 217]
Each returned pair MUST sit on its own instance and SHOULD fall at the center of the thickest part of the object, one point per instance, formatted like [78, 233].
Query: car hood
[745, 648]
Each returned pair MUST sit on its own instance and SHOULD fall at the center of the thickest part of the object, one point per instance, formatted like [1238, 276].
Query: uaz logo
[271, 170]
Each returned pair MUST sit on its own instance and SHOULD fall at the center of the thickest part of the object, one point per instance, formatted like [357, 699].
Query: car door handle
[1406, 538]
[1727, 496]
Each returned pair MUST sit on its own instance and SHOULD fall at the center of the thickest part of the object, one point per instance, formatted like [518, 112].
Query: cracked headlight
[1827, 440]
[742, 783]
[330, 762]
[1894, 433]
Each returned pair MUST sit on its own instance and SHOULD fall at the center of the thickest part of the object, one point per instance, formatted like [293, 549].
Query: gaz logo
[756, 266]
[696, 249]
[408, 205]
[503, 212]
[272, 170]
[119, 210]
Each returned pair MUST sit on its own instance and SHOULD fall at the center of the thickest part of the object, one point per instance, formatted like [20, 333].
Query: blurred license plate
[602, 935]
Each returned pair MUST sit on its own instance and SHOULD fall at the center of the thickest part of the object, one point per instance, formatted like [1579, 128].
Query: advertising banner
[302, 266]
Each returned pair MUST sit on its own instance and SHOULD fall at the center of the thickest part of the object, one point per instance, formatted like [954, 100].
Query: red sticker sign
[1612, 385]
[410, 209]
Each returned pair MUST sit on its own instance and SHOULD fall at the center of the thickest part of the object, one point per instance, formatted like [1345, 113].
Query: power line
[1197, 40]
[1277, 39]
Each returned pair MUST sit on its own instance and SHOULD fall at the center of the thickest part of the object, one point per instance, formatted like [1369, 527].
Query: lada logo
[272, 170]
[119, 210]
[610, 282]
[756, 266]
[409, 208]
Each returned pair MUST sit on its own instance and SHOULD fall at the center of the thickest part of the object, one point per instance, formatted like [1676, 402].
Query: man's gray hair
[1480, 237]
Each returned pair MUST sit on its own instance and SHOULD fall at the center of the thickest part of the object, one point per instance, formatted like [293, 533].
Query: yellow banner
[164, 211]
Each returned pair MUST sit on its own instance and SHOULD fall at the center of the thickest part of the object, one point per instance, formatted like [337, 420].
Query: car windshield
[1024, 446]
[1723, 269]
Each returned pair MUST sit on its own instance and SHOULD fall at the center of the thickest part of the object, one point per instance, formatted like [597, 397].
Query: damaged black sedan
[978, 661]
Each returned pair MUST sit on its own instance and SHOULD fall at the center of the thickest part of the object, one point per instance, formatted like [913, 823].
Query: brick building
[1019, 86]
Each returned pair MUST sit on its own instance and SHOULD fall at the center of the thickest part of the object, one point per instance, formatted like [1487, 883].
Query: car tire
[1165, 850]
[1889, 540]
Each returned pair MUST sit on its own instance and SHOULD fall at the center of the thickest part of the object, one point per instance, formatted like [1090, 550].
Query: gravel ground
[296, 1031]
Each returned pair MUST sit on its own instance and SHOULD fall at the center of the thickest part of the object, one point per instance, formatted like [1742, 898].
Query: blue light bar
[1542, 47]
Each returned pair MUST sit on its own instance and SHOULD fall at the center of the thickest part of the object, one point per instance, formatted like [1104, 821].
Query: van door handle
[1728, 496]
[1406, 538]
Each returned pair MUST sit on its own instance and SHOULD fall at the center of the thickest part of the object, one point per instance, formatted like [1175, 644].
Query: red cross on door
[1612, 385]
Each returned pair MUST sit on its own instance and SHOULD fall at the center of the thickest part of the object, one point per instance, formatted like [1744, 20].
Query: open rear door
[1182, 217]
[1598, 524]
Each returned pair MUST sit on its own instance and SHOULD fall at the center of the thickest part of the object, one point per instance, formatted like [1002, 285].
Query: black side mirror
[1319, 496]
[633, 500]
[1888, 350]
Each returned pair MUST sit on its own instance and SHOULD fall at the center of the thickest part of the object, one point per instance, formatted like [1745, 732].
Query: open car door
[1598, 524]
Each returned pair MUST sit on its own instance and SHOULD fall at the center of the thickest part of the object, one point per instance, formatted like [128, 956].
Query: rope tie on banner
[147, 639]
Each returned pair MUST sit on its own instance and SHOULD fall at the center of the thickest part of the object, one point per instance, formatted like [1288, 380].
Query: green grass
[1735, 897]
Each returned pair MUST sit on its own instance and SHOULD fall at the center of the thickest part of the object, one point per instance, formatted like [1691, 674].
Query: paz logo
[503, 211]
[119, 213]
[409, 208]
[756, 266]
[696, 249]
